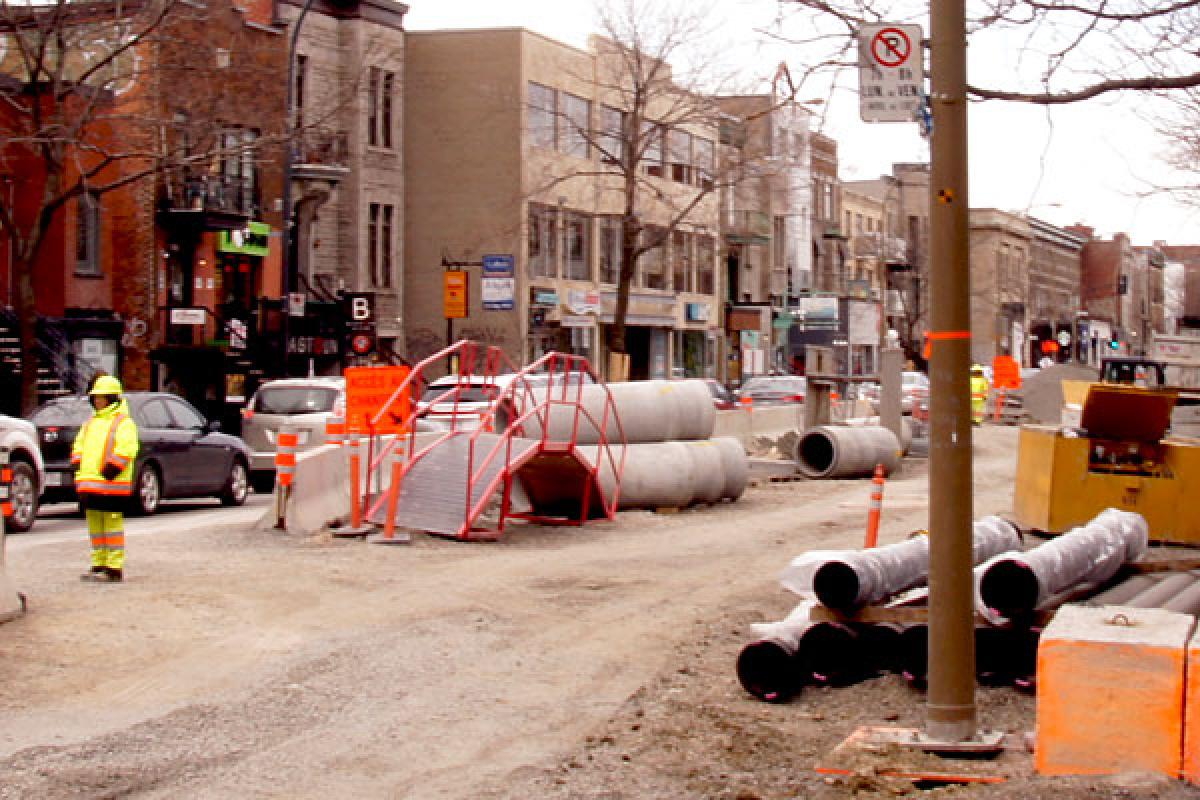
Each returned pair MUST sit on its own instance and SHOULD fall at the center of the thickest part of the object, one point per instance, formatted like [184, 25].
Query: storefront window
[576, 247]
[543, 250]
[653, 268]
[681, 261]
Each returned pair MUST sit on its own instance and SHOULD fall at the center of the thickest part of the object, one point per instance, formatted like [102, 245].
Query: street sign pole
[951, 697]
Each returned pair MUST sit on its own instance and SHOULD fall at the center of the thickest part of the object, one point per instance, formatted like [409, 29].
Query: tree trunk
[630, 229]
[25, 307]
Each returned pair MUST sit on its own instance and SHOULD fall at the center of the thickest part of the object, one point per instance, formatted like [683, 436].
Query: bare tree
[100, 97]
[655, 82]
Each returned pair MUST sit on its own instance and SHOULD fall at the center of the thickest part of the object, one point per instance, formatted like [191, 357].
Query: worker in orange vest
[979, 393]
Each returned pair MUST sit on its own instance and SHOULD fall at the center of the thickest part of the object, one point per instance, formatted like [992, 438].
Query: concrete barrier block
[1111, 691]
[1191, 715]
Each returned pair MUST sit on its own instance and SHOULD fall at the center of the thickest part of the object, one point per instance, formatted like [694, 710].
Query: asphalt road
[62, 521]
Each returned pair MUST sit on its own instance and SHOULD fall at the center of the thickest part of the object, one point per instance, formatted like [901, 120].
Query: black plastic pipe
[769, 670]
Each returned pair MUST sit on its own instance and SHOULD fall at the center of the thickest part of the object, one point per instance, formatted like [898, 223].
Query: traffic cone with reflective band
[286, 441]
[356, 527]
[390, 535]
[335, 430]
[875, 509]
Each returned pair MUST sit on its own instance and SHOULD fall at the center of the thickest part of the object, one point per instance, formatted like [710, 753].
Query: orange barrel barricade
[6, 476]
[875, 509]
[286, 441]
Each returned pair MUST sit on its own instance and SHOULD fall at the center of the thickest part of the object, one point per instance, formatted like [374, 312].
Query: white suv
[28, 473]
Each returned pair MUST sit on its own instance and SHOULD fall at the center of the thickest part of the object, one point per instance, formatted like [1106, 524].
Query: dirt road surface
[589, 662]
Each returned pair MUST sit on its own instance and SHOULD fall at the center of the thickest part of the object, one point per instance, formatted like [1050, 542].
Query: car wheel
[23, 495]
[147, 491]
[238, 486]
[263, 481]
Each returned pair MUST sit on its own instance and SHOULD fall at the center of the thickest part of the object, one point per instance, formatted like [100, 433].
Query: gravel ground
[558, 663]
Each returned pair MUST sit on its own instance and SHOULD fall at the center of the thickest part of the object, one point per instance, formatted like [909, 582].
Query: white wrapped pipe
[1018, 583]
[853, 578]
[650, 411]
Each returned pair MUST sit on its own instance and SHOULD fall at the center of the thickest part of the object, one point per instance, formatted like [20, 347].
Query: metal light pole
[951, 698]
[290, 280]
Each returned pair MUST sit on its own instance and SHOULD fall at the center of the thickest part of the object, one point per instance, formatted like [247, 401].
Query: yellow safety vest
[109, 437]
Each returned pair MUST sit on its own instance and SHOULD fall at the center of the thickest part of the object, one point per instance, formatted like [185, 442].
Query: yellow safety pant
[107, 532]
[978, 407]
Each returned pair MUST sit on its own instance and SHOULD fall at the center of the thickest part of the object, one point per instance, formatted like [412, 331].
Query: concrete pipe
[1018, 583]
[831, 451]
[906, 428]
[735, 464]
[649, 411]
[708, 471]
[1186, 602]
[1124, 591]
[1163, 592]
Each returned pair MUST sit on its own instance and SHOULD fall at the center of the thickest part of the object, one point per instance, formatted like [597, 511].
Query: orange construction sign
[1006, 373]
[454, 294]
[368, 389]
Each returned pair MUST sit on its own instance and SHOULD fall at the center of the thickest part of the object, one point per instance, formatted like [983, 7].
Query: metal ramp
[446, 488]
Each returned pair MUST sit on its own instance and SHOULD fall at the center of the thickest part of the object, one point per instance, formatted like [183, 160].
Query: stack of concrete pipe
[670, 459]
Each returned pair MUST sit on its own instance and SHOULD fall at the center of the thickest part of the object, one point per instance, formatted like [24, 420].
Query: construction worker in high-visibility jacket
[979, 394]
[103, 455]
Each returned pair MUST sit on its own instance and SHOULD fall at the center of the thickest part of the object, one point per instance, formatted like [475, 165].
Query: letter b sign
[360, 308]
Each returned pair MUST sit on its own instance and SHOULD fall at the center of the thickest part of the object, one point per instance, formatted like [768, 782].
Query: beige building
[348, 163]
[511, 141]
[1000, 244]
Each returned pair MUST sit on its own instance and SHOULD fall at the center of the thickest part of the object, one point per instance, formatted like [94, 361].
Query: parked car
[723, 399]
[458, 401]
[181, 454]
[305, 403]
[914, 391]
[774, 389]
[28, 474]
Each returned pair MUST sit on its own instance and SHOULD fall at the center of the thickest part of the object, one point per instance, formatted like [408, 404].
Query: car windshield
[65, 411]
[466, 394]
[295, 399]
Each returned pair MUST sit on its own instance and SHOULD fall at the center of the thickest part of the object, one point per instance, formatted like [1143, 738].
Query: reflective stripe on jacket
[109, 437]
[979, 387]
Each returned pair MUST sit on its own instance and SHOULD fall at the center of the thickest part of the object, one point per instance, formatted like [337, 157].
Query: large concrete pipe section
[1124, 591]
[848, 579]
[833, 451]
[1163, 592]
[649, 411]
[1018, 583]
[1187, 601]
[767, 667]
[674, 474]
[905, 426]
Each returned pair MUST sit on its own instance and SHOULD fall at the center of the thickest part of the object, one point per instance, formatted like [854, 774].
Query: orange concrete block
[1191, 715]
[1111, 691]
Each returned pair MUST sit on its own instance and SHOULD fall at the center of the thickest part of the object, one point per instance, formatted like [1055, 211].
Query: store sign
[498, 293]
[583, 301]
[187, 316]
[545, 297]
[819, 312]
[498, 266]
[454, 294]
[253, 240]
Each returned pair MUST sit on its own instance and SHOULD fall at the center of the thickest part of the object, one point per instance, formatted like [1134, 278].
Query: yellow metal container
[1119, 459]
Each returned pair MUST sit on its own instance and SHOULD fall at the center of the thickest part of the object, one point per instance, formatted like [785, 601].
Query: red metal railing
[523, 399]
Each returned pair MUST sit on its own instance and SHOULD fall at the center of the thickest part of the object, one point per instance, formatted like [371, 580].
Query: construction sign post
[368, 389]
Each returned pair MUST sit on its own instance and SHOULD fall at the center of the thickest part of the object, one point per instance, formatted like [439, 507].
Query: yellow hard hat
[106, 384]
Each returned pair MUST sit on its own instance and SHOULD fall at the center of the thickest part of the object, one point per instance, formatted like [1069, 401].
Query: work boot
[113, 575]
[96, 574]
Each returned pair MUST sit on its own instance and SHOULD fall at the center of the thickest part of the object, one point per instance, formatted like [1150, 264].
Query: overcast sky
[1080, 163]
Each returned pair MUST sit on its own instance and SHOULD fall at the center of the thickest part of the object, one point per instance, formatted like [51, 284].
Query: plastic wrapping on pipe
[1019, 582]
[767, 667]
[853, 578]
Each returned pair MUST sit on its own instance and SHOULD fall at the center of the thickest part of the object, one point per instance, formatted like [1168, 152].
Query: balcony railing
[221, 193]
[889, 249]
[748, 226]
[321, 148]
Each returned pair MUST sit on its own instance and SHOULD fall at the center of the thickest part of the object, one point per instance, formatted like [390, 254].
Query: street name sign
[891, 73]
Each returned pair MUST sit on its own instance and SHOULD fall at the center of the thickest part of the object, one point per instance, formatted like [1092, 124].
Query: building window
[298, 90]
[543, 249]
[577, 114]
[239, 172]
[652, 148]
[653, 268]
[681, 261]
[706, 165]
[87, 234]
[380, 223]
[380, 86]
[610, 139]
[541, 115]
[610, 249]
[705, 265]
[576, 247]
[679, 154]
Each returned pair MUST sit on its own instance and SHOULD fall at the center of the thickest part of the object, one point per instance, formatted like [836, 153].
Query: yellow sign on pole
[368, 390]
[454, 294]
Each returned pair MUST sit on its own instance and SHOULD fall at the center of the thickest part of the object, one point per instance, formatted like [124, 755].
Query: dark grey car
[181, 454]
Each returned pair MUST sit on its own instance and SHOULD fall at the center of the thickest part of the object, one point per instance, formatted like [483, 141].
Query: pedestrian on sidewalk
[103, 455]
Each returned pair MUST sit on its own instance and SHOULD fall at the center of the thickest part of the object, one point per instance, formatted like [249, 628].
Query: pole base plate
[906, 754]
[397, 537]
[350, 532]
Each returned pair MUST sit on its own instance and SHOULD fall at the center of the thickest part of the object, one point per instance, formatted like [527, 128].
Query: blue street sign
[499, 266]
